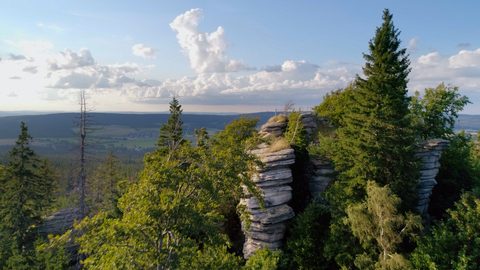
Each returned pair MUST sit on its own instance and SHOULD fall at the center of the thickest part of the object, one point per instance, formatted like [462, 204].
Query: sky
[221, 56]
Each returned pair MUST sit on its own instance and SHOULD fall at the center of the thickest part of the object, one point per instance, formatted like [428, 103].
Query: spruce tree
[27, 192]
[171, 134]
[375, 141]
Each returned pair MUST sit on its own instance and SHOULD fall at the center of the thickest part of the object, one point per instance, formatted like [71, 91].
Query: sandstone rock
[276, 164]
[274, 175]
[273, 125]
[276, 197]
[251, 245]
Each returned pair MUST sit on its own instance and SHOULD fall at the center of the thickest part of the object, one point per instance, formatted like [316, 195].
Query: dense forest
[179, 208]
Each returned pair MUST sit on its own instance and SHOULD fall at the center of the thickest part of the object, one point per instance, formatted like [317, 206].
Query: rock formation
[268, 227]
[429, 153]
[60, 222]
[320, 170]
[273, 129]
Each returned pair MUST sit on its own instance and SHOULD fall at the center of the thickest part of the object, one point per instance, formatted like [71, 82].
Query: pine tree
[375, 141]
[27, 192]
[171, 134]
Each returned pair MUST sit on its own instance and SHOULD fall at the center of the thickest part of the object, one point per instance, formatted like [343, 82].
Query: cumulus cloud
[299, 79]
[71, 60]
[16, 57]
[30, 69]
[143, 51]
[461, 70]
[207, 52]
[12, 94]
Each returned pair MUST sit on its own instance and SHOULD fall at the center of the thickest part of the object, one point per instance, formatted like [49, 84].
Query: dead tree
[288, 107]
[85, 124]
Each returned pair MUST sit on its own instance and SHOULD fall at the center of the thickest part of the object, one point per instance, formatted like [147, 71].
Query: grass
[281, 118]
[277, 145]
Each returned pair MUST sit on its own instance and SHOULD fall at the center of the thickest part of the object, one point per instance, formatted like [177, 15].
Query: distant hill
[468, 122]
[61, 125]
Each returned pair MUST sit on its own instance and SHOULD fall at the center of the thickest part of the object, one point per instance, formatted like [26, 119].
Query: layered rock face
[429, 153]
[268, 227]
[320, 170]
[273, 129]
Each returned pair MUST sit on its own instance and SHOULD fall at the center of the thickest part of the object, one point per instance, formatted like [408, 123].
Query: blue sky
[234, 56]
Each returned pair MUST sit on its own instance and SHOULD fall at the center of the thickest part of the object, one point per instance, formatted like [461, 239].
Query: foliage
[212, 258]
[377, 222]
[454, 244]
[296, 134]
[171, 134]
[103, 186]
[263, 259]
[308, 236]
[375, 141]
[459, 171]
[27, 186]
[170, 218]
[281, 118]
[335, 104]
[278, 144]
[436, 112]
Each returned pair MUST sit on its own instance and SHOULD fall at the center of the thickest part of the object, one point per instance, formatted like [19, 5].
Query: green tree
[377, 222]
[171, 134]
[436, 112]
[27, 185]
[375, 141]
[335, 104]
[454, 244]
[104, 192]
[171, 217]
[308, 237]
[459, 172]
[264, 259]
[295, 135]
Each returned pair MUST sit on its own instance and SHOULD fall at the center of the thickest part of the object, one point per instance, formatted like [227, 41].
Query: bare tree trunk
[83, 134]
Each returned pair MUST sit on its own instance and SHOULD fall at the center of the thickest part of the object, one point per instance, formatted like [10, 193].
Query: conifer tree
[27, 187]
[171, 134]
[375, 141]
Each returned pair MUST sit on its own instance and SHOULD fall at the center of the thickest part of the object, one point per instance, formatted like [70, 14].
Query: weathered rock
[278, 196]
[279, 174]
[273, 125]
[268, 227]
[429, 153]
[60, 222]
[251, 245]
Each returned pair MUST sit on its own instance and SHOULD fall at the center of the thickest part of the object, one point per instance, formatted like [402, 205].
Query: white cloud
[294, 79]
[413, 44]
[143, 51]
[207, 52]
[461, 69]
[15, 78]
[71, 60]
[12, 94]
